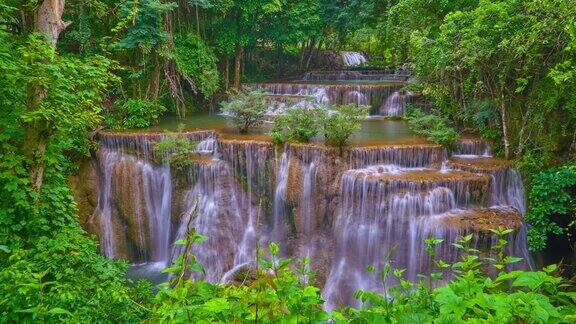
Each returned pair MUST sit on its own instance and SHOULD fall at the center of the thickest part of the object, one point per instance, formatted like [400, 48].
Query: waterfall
[157, 189]
[344, 209]
[213, 201]
[507, 189]
[353, 58]
[278, 225]
[103, 209]
[378, 217]
[249, 162]
[401, 155]
[144, 194]
[373, 95]
[364, 75]
[472, 148]
[395, 104]
[307, 209]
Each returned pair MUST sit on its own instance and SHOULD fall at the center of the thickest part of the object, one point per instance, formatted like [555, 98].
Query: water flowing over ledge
[345, 210]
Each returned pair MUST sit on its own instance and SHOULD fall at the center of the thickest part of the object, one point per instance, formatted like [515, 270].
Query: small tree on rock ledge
[342, 122]
[248, 109]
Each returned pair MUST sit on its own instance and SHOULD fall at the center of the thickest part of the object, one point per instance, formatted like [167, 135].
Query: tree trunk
[47, 21]
[154, 82]
[226, 72]
[503, 116]
[302, 54]
[237, 67]
[278, 60]
[522, 137]
[313, 52]
[197, 22]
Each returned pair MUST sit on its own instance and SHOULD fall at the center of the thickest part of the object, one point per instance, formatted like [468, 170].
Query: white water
[278, 230]
[395, 104]
[353, 58]
[103, 209]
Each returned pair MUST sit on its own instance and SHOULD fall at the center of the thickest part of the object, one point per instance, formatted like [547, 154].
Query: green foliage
[64, 278]
[59, 122]
[73, 103]
[552, 204]
[137, 113]
[247, 109]
[50, 271]
[472, 296]
[196, 60]
[434, 127]
[275, 293]
[175, 150]
[481, 63]
[143, 21]
[341, 122]
[296, 125]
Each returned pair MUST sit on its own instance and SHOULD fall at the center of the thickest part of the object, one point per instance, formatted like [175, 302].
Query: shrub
[137, 113]
[175, 150]
[277, 291]
[341, 122]
[434, 127]
[471, 296]
[247, 109]
[273, 292]
[551, 195]
[296, 125]
[64, 278]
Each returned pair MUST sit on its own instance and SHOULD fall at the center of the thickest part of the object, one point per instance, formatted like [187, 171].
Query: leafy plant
[175, 150]
[341, 122]
[137, 113]
[435, 128]
[64, 278]
[247, 109]
[296, 125]
[552, 204]
[275, 293]
[473, 295]
[195, 60]
[142, 21]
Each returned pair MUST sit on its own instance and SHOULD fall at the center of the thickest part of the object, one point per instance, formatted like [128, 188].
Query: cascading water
[395, 104]
[402, 155]
[145, 192]
[346, 210]
[364, 75]
[213, 203]
[472, 148]
[104, 209]
[373, 95]
[278, 230]
[507, 189]
[353, 58]
[157, 187]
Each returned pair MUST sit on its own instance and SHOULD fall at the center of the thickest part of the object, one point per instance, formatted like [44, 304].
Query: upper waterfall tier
[360, 75]
[353, 58]
[374, 95]
[142, 144]
[419, 155]
[473, 147]
[447, 190]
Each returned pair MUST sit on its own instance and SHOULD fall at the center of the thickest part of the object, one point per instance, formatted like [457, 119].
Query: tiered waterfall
[343, 209]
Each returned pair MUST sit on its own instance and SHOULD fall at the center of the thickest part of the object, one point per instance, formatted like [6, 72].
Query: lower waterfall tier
[345, 210]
